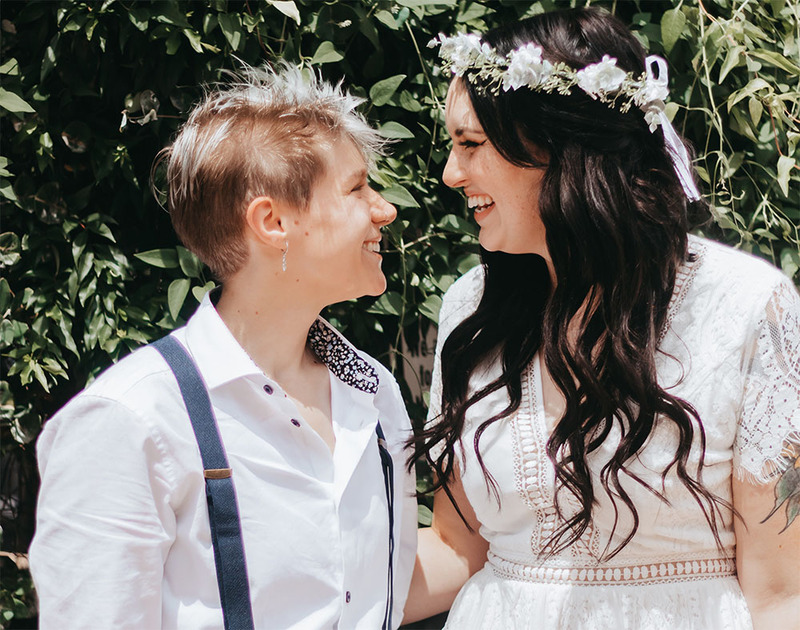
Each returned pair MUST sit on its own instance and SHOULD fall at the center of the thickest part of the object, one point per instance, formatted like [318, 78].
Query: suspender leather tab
[217, 473]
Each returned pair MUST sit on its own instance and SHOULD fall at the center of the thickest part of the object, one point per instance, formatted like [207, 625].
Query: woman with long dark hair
[615, 412]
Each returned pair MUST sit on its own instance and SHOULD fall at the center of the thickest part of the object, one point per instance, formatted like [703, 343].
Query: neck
[270, 322]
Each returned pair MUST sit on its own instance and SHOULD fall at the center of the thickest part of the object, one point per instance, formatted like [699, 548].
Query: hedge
[90, 91]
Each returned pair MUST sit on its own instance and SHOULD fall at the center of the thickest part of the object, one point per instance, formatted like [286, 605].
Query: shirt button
[268, 388]
[347, 597]
[295, 422]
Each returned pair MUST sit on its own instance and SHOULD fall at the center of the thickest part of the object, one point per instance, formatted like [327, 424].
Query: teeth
[372, 246]
[479, 202]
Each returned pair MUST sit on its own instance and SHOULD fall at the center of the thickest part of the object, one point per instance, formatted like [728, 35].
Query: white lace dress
[732, 349]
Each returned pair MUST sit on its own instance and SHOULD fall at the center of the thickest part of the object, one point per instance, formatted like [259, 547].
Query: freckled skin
[512, 224]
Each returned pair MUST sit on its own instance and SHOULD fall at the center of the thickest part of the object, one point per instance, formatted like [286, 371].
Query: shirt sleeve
[104, 524]
[769, 426]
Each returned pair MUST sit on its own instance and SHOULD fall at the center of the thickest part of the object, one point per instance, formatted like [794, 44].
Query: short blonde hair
[259, 135]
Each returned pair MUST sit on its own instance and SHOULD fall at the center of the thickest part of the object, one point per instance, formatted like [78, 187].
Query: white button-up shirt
[123, 538]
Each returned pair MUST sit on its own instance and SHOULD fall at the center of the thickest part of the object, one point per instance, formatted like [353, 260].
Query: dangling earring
[283, 258]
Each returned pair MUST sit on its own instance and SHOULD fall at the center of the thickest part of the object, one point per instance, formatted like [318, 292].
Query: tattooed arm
[768, 549]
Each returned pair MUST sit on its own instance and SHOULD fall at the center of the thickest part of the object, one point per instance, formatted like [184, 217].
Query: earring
[283, 258]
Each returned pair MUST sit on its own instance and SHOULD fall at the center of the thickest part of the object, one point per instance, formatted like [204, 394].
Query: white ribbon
[657, 89]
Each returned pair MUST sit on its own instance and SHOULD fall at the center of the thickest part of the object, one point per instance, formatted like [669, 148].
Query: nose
[453, 175]
[383, 213]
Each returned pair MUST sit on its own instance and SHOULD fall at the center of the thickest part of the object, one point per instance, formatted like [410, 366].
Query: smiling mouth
[372, 246]
[479, 203]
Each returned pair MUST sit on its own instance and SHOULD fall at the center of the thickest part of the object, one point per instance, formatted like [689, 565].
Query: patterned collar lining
[341, 359]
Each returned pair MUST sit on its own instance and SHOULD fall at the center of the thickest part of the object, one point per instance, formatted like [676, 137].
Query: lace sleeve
[768, 434]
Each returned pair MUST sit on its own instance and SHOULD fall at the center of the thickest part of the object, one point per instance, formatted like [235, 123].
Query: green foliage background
[90, 91]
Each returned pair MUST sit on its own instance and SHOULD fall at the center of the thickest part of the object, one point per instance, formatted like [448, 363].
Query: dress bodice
[731, 348]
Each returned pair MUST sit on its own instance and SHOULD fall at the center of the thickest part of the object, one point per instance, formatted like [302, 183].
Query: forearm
[439, 573]
[768, 554]
[779, 611]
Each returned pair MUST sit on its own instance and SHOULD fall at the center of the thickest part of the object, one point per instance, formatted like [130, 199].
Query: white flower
[598, 79]
[462, 51]
[526, 68]
[653, 114]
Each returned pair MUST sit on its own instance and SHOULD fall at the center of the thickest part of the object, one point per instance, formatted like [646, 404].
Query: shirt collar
[221, 359]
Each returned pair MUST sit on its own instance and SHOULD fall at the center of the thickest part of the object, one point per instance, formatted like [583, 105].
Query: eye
[358, 187]
[470, 144]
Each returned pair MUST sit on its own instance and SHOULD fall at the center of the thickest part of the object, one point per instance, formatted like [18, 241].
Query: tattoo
[787, 491]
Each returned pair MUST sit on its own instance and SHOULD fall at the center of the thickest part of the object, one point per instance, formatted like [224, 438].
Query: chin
[377, 290]
[490, 244]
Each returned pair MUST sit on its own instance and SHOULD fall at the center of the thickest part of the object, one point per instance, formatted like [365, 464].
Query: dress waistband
[651, 573]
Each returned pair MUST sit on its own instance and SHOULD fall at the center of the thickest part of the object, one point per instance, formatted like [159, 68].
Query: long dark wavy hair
[616, 226]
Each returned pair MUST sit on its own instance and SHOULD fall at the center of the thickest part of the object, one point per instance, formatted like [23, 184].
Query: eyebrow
[357, 176]
[460, 131]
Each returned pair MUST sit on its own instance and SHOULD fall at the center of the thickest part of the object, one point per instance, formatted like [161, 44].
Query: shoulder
[733, 266]
[467, 289]
[123, 418]
[127, 379]
[128, 396]
[731, 276]
[461, 299]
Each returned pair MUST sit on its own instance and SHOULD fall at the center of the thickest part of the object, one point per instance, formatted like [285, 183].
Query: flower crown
[603, 81]
[526, 67]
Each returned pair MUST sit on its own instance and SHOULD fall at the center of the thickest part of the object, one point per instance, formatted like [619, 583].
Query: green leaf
[9, 249]
[430, 308]
[7, 190]
[163, 258]
[748, 90]
[395, 130]
[399, 196]
[382, 91]
[731, 61]
[390, 303]
[200, 292]
[231, 25]
[176, 295]
[10, 67]
[190, 264]
[473, 12]
[288, 8]
[387, 19]
[13, 103]
[326, 53]
[755, 108]
[195, 40]
[5, 297]
[103, 230]
[459, 225]
[26, 427]
[785, 166]
[672, 24]
[790, 261]
[424, 516]
[777, 60]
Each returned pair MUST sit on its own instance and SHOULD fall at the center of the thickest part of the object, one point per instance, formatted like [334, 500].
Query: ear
[264, 219]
